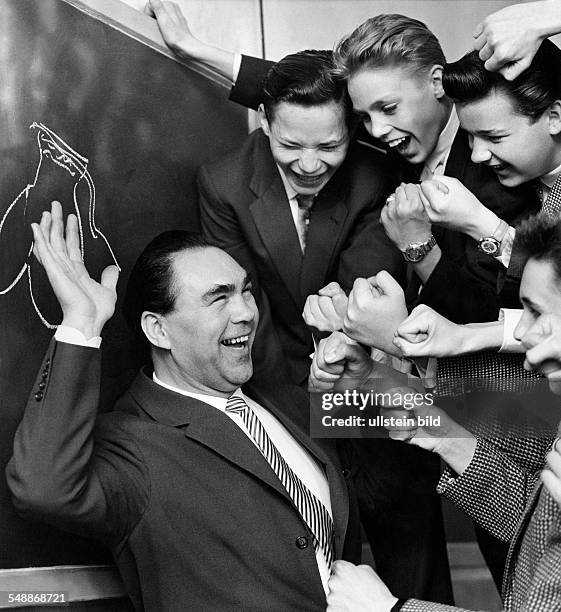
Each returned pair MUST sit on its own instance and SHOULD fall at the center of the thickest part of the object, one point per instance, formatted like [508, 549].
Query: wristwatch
[417, 251]
[491, 245]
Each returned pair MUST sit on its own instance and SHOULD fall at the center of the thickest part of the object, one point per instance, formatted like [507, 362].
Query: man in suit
[484, 482]
[298, 206]
[210, 497]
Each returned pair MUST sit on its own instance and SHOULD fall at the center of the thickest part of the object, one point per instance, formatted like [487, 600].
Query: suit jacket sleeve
[493, 491]
[57, 473]
[417, 605]
[248, 88]
[458, 294]
[368, 250]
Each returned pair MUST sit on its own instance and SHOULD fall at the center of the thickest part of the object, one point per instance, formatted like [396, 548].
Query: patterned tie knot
[305, 203]
[236, 405]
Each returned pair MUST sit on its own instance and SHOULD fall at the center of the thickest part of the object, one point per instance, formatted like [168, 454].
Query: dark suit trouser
[401, 514]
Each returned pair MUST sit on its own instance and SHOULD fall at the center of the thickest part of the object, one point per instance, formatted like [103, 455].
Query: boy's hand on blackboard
[86, 304]
[174, 28]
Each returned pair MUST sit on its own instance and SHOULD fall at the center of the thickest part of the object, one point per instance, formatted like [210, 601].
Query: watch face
[489, 246]
[414, 253]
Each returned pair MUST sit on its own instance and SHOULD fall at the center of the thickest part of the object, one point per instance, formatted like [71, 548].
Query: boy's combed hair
[539, 237]
[388, 40]
[531, 93]
[306, 78]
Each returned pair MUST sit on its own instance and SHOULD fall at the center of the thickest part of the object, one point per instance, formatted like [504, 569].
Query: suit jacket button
[42, 385]
[346, 473]
[39, 396]
[302, 542]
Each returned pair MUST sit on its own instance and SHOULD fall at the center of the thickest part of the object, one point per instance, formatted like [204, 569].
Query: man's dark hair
[539, 237]
[531, 93]
[151, 285]
[306, 78]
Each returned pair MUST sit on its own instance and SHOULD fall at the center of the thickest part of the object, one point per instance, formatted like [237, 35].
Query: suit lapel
[205, 424]
[273, 220]
[326, 225]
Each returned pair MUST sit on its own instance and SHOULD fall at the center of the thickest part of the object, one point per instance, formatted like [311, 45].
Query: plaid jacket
[519, 510]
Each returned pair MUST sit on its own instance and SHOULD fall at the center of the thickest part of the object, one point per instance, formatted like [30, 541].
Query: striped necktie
[305, 203]
[552, 204]
[311, 509]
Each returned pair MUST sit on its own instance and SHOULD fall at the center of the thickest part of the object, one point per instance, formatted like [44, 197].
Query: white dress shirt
[435, 163]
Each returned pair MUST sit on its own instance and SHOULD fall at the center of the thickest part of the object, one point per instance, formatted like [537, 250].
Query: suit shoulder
[368, 162]
[236, 166]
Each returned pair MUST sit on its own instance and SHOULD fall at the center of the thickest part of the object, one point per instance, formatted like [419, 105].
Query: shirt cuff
[506, 247]
[236, 67]
[70, 335]
[510, 318]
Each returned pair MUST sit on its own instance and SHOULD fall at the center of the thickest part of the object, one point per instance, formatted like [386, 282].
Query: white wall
[291, 25]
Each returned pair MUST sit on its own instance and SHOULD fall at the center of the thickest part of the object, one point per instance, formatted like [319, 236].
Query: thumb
[109, 278]
[387, 284]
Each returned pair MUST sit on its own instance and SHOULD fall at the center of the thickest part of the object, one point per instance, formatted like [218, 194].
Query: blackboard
[115, 130]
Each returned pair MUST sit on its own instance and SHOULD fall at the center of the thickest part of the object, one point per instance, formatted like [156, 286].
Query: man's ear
[435, 76]
[554, 118]
[263, 121]
[154, 328]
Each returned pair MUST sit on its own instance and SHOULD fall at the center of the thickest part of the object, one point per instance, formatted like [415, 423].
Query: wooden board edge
[142, 28]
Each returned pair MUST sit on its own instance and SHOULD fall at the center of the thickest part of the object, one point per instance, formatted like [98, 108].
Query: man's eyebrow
[218, 289]
[224, 288]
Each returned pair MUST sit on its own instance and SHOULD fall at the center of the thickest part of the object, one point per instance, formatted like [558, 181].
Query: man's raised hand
[86, 305]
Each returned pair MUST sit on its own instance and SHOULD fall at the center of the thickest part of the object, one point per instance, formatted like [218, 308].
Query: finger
[73, 239]
[57, 230]
[513, 70]
[548, 349]
[477, 31]
[330, 290]
[413, 325]
[485, 52]
[109, 278]
[39, 244]
[402, 436]
[157, 8]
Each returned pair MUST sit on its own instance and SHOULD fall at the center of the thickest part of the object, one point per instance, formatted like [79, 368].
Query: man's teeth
[397, 142]
[238, 340]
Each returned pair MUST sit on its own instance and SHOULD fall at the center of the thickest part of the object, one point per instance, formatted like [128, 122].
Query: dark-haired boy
[515, 130]
[298, 206]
